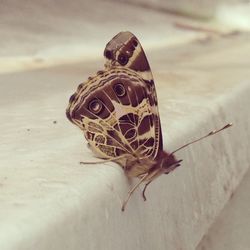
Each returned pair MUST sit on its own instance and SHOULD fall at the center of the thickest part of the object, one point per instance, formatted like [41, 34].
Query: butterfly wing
[117, 109]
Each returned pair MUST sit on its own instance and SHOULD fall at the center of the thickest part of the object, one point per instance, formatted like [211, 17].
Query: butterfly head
[168, 162]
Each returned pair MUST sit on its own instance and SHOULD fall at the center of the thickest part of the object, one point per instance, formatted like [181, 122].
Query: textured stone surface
[231, 229]
[50, 201]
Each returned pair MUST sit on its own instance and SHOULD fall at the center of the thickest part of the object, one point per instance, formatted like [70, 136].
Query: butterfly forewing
[125, 50]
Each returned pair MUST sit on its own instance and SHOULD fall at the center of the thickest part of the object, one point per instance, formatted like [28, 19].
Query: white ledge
[49, 201]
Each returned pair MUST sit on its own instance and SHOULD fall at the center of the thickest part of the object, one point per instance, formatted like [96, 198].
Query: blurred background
[38, 34]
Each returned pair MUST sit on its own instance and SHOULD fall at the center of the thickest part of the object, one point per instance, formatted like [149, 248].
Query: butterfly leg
[151, 176]
[144, 190]
[156, 173]
[132, 191]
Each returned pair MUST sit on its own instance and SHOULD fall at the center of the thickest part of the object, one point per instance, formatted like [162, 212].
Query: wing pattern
[117, 109]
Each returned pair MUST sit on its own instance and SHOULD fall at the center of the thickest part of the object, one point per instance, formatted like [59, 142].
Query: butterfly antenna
[203, 137]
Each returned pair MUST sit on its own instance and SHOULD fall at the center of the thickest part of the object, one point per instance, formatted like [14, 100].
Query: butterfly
[117, 110]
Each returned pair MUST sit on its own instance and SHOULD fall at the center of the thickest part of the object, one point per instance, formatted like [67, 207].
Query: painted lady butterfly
[117, 111]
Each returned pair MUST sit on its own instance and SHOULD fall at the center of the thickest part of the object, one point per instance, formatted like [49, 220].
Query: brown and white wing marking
[125, 50]
[114, 111]
[117, 108]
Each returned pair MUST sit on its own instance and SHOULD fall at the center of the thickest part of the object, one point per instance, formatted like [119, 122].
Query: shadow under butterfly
[117, 110]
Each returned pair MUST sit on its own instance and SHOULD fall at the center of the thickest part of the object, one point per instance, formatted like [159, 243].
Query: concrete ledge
[231, 228]
[49, 201]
